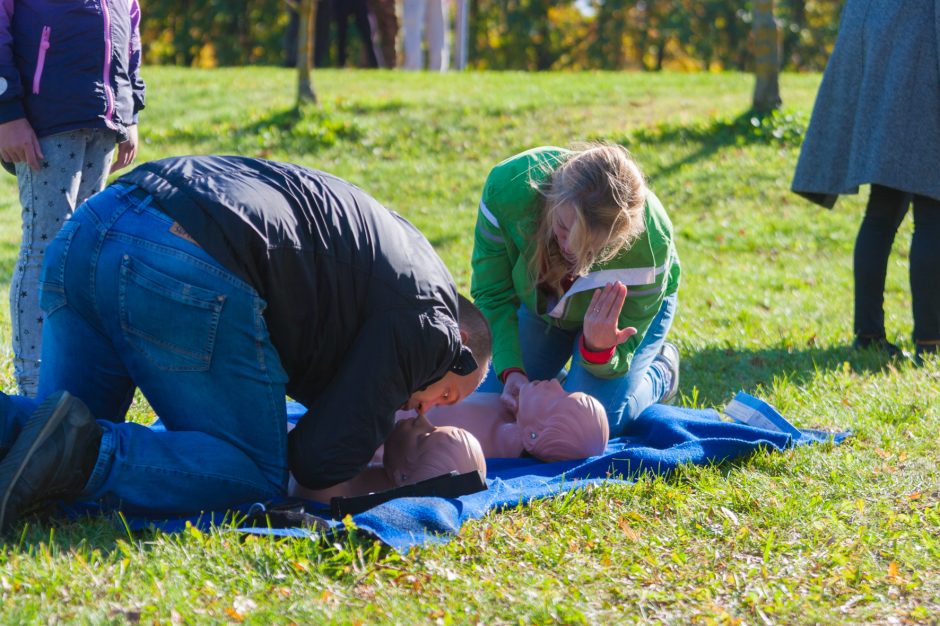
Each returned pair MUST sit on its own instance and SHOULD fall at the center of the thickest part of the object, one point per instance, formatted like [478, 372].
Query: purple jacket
[69, 64]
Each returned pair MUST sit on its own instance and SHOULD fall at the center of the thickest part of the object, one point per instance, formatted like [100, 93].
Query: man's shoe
[878, 344]
[925, 350]
[669, 355]
[52, 458]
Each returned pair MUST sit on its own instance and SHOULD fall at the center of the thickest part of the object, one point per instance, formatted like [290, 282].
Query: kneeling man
[216, 285]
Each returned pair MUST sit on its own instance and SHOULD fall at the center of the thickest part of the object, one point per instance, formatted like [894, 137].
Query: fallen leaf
[628, 532]
[730, 515]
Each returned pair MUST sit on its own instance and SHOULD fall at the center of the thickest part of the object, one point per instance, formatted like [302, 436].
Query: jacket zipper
[41, 59]
[109, 94]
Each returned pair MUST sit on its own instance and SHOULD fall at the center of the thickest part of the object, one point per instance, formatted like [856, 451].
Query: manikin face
[537, 400]
[406, 443]
[417, 450]
[450, 389]
[557, 426]
[565, 217]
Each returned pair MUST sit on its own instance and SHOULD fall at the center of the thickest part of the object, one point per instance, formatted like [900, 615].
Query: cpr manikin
[550, 423]
[415, 451]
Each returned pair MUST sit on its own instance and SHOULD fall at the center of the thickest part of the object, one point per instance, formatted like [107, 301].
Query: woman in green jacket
[574, 258]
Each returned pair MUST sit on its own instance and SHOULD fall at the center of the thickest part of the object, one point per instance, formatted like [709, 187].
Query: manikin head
[457, 383]
[559, 426]
[417, 450]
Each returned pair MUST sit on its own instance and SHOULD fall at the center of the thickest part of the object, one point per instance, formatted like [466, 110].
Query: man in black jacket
[217, 285]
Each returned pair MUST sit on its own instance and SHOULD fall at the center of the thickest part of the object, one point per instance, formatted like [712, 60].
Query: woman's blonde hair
[607, 190]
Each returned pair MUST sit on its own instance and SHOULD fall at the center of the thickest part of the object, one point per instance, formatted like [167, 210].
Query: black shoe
[880, 344]
[929, 350]
[52, 458]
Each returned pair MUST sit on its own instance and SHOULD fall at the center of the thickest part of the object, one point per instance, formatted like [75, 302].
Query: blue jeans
[128, 303]
[546, 349]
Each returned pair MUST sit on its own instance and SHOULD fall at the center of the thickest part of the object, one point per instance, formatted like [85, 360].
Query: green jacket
[502, 251]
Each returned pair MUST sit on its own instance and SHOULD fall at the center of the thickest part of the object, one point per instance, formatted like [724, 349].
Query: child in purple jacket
[70, 90]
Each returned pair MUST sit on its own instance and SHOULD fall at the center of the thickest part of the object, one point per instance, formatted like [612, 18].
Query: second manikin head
[559, 426]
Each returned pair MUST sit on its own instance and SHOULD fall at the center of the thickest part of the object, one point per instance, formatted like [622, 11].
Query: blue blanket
[659, 441]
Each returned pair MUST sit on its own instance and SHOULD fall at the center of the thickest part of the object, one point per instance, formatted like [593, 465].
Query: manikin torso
[494, 426]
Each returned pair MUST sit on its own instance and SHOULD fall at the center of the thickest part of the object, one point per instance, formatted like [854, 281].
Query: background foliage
[521, 34]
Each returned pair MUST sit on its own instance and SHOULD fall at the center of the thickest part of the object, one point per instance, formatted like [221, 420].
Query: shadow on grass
[106, 536]
[717, 374]
[776, 128]
[94, 533]
[305, 129]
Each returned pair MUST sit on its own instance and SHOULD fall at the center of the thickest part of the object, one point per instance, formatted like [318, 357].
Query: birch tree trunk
[307, 9]
[766, 58]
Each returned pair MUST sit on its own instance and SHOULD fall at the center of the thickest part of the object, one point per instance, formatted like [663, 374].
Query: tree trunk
[308, 15]
[291, 36]
[660, 54]
[766, 58]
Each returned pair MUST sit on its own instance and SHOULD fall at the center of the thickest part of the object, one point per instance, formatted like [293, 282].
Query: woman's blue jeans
[128, 303]
[546, 349]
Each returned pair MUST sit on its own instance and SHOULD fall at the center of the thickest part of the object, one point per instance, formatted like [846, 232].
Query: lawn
[846, 534]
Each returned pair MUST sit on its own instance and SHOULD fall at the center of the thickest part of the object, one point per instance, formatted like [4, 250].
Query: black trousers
[359, 10]
[884, 214]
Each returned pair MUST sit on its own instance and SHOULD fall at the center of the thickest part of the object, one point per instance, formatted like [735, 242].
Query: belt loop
[125, 189]
[144, 202]
[139, 194]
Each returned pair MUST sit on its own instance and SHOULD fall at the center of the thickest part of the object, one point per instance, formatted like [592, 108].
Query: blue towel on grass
[659, 441]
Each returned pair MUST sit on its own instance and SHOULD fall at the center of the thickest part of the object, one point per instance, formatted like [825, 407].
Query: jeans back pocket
[52, 277]
[171, 322]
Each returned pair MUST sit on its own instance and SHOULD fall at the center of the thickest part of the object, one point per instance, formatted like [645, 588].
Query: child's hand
[600, 321]
[18, 143]
[126, 150]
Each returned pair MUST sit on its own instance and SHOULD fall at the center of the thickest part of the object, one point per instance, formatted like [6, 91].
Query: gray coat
[877, 113]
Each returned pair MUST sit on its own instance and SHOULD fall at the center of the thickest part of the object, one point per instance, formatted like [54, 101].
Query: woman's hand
[600, 321]
[510, 396]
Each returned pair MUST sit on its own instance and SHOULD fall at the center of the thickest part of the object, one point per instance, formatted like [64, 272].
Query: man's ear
[464, 336]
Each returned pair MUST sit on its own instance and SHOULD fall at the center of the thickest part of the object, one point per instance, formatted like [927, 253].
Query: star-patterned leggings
[75, 167]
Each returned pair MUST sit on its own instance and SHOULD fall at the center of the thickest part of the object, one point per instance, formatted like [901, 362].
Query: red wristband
[503, 375]
[597, 358]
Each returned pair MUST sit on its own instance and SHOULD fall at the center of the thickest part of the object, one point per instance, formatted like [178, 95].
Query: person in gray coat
[876, 121]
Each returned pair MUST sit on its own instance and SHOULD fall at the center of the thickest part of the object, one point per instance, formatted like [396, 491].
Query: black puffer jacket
[360, 308]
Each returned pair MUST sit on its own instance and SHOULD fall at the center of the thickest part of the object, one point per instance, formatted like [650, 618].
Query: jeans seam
[266, 370]
[102, 226]
[263, 365]
[103, 464]
[201, 475]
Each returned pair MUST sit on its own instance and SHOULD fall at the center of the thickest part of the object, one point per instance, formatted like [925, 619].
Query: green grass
[846, 534]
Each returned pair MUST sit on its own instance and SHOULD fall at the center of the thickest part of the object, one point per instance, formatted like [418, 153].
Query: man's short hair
[479, 337]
